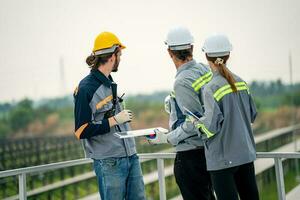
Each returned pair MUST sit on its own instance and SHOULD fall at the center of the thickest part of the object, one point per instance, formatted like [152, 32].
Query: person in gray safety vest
[226, 126]
[190, 165]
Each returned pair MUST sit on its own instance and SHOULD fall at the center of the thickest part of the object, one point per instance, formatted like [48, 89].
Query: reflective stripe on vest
[202, 81]
[221, 92]
[172, 94]
[205, 130]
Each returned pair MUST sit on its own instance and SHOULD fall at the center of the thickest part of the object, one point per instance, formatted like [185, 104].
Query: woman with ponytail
[226, 126]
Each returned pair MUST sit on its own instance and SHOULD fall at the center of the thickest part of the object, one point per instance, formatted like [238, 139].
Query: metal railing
[22, 172]
[267, 139]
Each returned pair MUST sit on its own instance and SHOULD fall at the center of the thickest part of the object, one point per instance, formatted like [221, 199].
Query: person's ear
[112, 58]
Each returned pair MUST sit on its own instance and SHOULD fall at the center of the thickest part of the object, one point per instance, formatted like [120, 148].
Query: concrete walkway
[294, 194]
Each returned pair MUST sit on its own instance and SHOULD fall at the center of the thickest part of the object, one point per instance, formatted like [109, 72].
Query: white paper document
[141, 132]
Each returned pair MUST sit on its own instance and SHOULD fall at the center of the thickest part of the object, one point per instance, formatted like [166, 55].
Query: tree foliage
[21, 115]
[148, 109]
[274, 94]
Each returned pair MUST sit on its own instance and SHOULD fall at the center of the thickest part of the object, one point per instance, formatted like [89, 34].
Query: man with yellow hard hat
[98, 115]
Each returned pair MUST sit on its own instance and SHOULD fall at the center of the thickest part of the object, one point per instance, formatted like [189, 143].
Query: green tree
[21, 115]
[288, 98]
[5, 107]
[297, 98]
[4, 128]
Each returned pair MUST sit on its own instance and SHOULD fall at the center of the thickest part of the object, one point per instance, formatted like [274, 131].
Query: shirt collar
[185, 66]
[101, 77]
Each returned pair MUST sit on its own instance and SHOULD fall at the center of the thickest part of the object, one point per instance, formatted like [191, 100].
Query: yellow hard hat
[106, 40]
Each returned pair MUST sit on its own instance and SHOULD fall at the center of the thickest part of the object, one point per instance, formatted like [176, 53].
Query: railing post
[22, 187]
[161, 179]
[279, 179]
[296, 150]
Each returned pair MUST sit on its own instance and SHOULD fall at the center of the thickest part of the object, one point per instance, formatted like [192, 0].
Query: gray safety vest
[190, 79]
[226, 124]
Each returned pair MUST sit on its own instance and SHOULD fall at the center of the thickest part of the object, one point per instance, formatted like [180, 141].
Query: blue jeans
[120, 178]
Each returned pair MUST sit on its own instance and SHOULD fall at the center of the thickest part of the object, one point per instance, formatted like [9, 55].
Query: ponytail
[220, 63]
[94, 61]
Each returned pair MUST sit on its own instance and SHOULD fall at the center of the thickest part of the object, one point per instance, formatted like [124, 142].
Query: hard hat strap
[180, 47]
[106, 51]
[218, 54]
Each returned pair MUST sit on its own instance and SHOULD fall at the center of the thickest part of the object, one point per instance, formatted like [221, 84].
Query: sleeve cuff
[104, 127]
[171, 139]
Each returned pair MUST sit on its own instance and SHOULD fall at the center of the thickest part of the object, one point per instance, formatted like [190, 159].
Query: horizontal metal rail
[275, 133]
[287, 155]
[46, 167]
[22, 172]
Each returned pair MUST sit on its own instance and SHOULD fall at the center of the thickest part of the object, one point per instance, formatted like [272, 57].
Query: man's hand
[123, 116]
[158, 137]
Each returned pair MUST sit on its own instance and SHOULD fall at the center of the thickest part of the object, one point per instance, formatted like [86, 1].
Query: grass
[269, 191]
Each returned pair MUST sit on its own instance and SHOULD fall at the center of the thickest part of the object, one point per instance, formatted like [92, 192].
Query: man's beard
[115, 67]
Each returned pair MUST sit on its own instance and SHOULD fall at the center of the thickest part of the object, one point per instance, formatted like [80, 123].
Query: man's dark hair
[94, 61]
[183, 54]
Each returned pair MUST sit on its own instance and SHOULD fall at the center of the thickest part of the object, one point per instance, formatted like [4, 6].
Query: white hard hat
[217, 45]
[179, 38]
